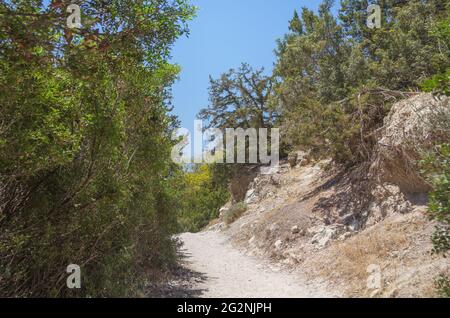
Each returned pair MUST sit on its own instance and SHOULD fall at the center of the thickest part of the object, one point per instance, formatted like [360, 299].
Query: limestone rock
[324, 234]
[278, 245]
[407, 125]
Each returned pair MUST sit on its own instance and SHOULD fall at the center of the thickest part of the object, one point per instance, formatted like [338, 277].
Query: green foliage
[436, 162]
[443, 285]
[240, 99]
[85, 141]
[438, 84]
[337, 78]
[201, 197]
[295, 25]
[234, 213]
[436, 166]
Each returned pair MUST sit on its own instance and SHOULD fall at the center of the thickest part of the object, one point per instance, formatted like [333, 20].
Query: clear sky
[224, 34]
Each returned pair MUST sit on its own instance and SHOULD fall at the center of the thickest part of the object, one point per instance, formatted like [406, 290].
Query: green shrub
[200, 196]
[336, 78]
[436, 167]
[85, 142]
[234, 213]
[443, 285]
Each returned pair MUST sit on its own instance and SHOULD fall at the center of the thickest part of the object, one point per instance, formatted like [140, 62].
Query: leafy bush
[438, 84]
[437, 168]
[200, 196]
[85, 141]
[234, 213]
[443, 285]
[436, 162]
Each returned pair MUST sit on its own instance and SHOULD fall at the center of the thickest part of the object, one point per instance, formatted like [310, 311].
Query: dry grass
[348, 261]
[234, 213]
[212, 223]
[399, 243]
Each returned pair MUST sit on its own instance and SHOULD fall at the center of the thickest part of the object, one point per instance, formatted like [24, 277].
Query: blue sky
[224, 34]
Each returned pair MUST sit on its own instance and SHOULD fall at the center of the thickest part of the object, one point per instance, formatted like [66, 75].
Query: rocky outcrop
[387, 200]
[240, 182]
[411, 122]
[320, 218]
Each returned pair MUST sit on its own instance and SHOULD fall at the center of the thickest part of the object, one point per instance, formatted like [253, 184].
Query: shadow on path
[183, 283]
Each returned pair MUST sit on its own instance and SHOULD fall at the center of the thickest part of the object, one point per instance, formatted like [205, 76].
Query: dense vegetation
[240, 99]
[202, 192]
[335, 80]
[337, 77]
[85, 133]
[85, 141]
[436, 161]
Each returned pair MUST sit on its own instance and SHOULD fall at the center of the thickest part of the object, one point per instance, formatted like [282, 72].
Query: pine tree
[295, 25]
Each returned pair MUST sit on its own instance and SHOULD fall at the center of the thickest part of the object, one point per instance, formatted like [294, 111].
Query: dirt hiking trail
[228, 273]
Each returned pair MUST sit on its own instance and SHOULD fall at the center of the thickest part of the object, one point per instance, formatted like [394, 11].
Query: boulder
[388, 199]
[410, 122]
[322, 235]
[251, 197]
[278, 245]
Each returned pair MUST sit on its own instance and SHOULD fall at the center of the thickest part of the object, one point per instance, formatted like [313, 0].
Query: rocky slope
[364, 232]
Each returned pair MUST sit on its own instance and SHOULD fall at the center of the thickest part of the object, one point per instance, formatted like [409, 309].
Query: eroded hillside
[342, 226]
